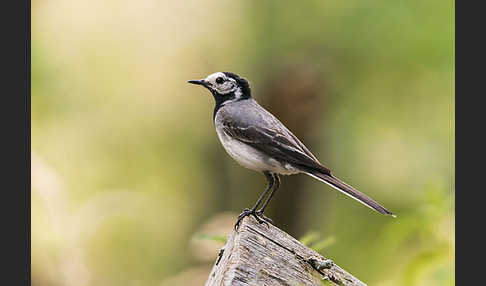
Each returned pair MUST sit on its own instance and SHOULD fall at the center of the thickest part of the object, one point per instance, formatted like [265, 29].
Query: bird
[257, 140]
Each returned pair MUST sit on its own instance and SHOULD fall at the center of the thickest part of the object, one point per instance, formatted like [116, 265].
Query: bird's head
[225, 86]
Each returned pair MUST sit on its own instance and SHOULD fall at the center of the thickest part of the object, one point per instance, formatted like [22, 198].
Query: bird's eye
[219, 80]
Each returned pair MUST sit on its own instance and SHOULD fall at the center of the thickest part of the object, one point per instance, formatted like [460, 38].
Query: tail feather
[349, 191]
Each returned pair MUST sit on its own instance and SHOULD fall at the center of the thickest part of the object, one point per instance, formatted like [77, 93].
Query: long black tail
[349, 191]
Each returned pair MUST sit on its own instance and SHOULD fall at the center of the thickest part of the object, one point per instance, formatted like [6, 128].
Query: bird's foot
[261, 215]
[255, 214]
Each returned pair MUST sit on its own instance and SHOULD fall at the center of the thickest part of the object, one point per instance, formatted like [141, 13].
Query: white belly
[252, 158]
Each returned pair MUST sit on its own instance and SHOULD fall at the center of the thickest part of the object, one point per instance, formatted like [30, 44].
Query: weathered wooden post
[261, 254]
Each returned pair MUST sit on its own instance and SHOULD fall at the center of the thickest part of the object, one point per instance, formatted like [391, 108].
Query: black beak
[198, 82]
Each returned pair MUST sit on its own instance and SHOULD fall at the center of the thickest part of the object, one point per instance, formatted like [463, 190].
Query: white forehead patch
[229, 85]
[212, 77]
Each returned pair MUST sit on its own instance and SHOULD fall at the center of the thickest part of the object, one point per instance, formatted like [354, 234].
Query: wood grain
[261, 254]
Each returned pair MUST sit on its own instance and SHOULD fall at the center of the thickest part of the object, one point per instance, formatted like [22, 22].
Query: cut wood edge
[234, 266]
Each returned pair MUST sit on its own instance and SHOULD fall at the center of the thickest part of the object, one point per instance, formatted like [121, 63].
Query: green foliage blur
[130, 185]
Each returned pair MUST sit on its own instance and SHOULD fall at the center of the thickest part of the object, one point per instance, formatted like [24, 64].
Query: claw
[267, 219]
[255, 214]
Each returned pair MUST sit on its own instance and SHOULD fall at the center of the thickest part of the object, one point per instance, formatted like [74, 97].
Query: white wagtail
[258, 141]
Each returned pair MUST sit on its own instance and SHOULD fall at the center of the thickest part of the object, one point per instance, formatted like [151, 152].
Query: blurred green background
[130, 185]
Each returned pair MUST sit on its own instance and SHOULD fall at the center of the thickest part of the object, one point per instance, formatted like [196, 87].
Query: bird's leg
[270, 181]
[260, 211]
[253, 211]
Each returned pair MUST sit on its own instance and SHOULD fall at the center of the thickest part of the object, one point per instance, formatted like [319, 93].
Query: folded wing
[277, 143]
